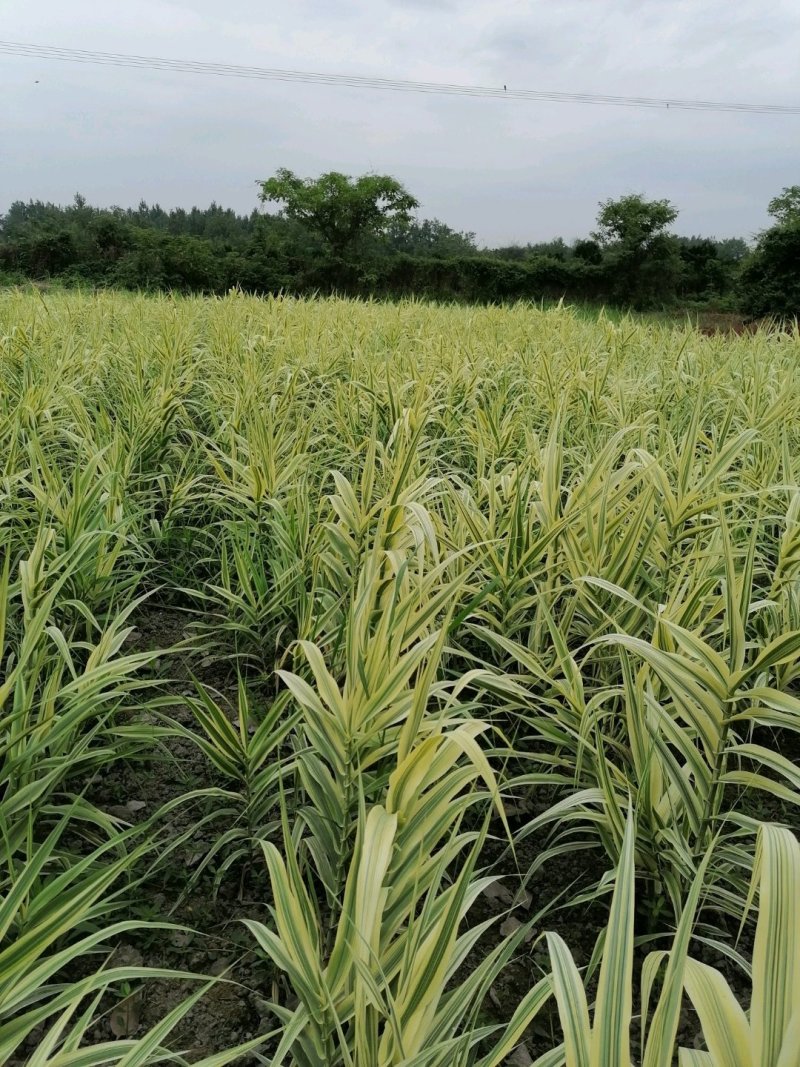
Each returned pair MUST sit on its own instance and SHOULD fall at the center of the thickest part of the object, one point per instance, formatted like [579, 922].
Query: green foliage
[555, 249]
[346, 212]
[770, 280]
[589, 251]
[357, 236]
[643, 257]
[633, 222]
[428, 238]
[732, 249]
[450, 578]
[486, 279]
[704, 272]
[249, 757]
[785, 208]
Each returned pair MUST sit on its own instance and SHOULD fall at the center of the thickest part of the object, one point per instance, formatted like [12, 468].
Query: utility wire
[229, 70]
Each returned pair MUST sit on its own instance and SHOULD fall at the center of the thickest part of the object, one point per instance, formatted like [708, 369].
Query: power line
[230, 70]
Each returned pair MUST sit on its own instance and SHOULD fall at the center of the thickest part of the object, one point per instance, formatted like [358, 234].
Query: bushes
[486, 279]
[770, 283]
[213, 251]
[39, 255]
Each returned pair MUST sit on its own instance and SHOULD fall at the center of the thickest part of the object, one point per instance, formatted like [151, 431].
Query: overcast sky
[507, 169]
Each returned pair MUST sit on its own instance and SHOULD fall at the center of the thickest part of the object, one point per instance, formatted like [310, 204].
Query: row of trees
[361, 236]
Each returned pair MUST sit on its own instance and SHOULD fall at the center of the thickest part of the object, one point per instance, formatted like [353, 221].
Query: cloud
[504, 168]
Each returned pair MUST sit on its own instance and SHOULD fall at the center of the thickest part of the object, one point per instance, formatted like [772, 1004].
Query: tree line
[361, 236]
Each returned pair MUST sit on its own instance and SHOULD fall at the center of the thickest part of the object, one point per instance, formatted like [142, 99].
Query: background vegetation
[359, 237]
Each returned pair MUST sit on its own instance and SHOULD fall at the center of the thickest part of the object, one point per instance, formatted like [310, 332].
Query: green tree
[346, 212]
[732, 249]
[431, 237]
[643, 258]
[633, 221]
[588, 251]
[770, 282]
[785, 208]
[703, 273]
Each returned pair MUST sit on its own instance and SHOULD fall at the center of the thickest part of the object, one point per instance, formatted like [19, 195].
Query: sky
[509, 170]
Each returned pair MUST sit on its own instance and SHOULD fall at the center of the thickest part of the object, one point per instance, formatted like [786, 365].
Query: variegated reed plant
[61, 698]
[384, 990]
[58, 913]
[651, 688]
[354, 730]
[254, 760]
[765, 1036]
[689, 713]
[62, 898]
[572, 475]
[388, 768]
[602, 1038]
[769, 1034]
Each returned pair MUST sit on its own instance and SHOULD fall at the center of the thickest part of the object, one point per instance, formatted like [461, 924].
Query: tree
[732, 249]
[785, 208]
[511, 252]
[642, 257]
[344, 211]
[703, 272]
[428, 238]
[588, 251]
[112, 237]
[770, 281]
[555, 249]
[633, 222]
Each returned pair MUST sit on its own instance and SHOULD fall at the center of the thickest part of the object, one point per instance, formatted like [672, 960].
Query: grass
[467, 597]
